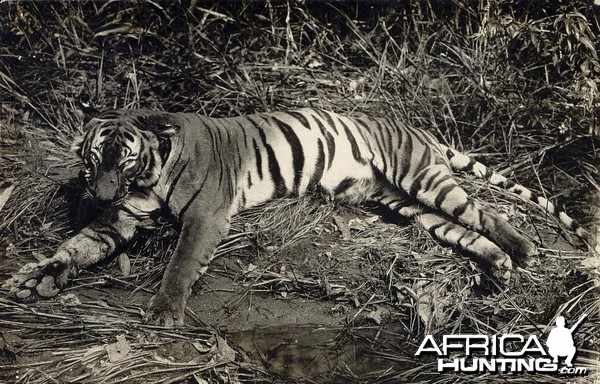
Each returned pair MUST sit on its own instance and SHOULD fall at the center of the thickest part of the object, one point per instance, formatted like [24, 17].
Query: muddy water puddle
[317, 353]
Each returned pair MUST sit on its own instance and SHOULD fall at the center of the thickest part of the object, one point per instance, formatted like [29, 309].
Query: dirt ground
[303, 312]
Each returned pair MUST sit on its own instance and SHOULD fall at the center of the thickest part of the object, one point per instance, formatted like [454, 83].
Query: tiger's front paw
[44, 278]
[165, 310]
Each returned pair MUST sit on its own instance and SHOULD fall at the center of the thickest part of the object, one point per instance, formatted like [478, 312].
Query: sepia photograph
[299, 191]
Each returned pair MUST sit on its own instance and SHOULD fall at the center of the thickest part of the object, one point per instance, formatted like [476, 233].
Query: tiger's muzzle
[109, 186]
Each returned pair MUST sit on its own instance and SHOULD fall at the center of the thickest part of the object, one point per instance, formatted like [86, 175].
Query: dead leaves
[130, 350]
[119, 350]
[354, 224]
[430, 300]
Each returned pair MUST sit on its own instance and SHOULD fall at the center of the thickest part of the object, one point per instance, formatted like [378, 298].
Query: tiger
[204, 170]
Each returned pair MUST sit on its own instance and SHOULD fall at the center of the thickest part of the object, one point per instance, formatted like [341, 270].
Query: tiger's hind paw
[501, 267]
[44, 278]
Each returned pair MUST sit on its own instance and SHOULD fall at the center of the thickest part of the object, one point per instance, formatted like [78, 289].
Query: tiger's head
[123, 151]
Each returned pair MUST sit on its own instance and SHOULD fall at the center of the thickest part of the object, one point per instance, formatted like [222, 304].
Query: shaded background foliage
[505, 78]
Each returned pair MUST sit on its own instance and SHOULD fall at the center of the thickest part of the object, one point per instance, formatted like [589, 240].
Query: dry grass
[479, 89]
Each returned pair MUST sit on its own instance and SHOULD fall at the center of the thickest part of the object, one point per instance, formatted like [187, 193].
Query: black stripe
[280, 188]
[353, 145]
[448, 228]
[488, 173]
[301, 118]
[431, 180]
[458, 211]
[433, 228]
[328, 139]
[212, 141]
[218, 147]
[394, 164]
[404, 165]
[175, 181]
[442, 195]
[243, 199]
[344, 185]
[142, 148]
[84, 148]
[146, 162]
[416, 185]
[319, 166]
[128, 135]
[110, 154]
[471, 242]
[258, 159]
[174, 165]
[392, 129]
[330, 148]
[418, 135]
[377, 194]
[238, 153]
[249, 179]
[425, 159]
[439, 181]
[360, 132]
[297, 152]
[243, 133]
[471, 164]
[378, 139]
[394, 201]
[111, 114]
[328, 119]
[194, 195]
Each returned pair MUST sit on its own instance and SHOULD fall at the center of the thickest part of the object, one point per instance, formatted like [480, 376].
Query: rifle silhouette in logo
[560, 340]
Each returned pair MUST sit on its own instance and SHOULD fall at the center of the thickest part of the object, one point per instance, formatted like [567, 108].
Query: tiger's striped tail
[463, 163]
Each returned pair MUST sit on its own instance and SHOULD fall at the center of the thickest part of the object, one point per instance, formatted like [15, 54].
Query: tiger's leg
[435, 187]
[448, 231]
[195, 248]
[92, 244]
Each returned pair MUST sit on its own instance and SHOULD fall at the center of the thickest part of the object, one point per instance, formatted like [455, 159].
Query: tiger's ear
[163, 125]
[78, 142]
[160, 123]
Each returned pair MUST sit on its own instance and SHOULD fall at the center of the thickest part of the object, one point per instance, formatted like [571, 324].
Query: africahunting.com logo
[511, 353]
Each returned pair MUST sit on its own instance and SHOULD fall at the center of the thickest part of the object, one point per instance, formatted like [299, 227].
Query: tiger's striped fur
[204, 170]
